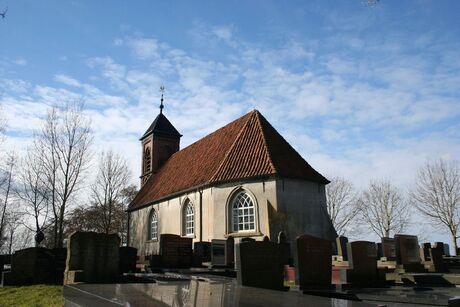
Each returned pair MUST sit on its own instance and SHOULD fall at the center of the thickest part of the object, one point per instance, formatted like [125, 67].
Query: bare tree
[437, 195]
[6, 185]
[64, 142]
[32, 190]
[384, 209]
[17, 236]
[342, 204]
[107, 191]
[2, 126]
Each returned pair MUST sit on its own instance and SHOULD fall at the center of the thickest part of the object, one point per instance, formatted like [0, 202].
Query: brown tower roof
[248, 147]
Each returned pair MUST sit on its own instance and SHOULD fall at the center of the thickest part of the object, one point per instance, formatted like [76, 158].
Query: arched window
[243, 212]
[147, 160]
[153, 225]
[188, 218]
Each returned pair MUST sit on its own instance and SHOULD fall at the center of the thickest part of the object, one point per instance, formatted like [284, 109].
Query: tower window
[147, 160]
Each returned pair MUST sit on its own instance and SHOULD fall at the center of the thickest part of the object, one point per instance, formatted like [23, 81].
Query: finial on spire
[162, 90]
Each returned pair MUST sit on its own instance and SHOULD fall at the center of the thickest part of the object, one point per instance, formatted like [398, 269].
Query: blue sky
[360, 91]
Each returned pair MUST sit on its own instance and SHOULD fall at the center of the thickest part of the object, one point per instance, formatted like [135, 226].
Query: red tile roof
[248, 147]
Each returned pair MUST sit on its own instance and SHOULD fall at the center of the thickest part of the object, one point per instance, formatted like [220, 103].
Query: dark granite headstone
[426, 251]
[230, 251]
[446, 250]
[285, 248]
[92, 258]
[222, 252]
[437, 259]
[314, 262]
[35, 265]
[60, 257]
[259, 265]
[203, 250]
[2, 263]
[407, 249]
[389, 248]
[175, 251]
[127, 259]
[408, 253]
[218, 251]
[362, 260]
[341, 242]
[379, 250]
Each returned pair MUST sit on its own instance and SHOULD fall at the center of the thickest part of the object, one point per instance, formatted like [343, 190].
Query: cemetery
[95, 270]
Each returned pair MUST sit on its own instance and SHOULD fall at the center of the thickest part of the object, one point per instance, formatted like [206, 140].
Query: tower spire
[162, 90]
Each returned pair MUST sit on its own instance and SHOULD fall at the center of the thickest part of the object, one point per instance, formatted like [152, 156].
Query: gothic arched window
[242, 212]
[153, 225]
[188, 218]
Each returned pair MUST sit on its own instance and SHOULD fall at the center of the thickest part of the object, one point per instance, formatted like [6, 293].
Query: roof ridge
[270, 160]
[221, 165]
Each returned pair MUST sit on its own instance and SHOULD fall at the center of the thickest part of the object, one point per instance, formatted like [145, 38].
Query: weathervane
[162, 90]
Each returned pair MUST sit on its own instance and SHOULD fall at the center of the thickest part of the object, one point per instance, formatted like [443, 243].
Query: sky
[360, 91]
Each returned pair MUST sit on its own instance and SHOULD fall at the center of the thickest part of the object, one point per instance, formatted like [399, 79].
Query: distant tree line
[385, 210]
[48, 191]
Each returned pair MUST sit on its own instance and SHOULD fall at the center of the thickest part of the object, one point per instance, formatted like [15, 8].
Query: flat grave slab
[194, 292]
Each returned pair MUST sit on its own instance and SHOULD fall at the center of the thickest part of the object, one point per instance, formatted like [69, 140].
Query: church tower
[159, 142]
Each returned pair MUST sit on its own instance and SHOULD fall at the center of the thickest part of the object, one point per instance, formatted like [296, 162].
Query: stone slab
[314, 265]
[259, 264]
[92, 257]
[175, 251]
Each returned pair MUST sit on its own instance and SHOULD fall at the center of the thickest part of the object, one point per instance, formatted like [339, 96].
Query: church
[242, 180]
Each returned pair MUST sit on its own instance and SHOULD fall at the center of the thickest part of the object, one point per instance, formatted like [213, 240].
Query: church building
[242, 180]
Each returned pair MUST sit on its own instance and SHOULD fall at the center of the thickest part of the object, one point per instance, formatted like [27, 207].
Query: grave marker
[389, 248]
[92, 258]
[314, 262]
[259, 265]
[362, 260]
[175, 251]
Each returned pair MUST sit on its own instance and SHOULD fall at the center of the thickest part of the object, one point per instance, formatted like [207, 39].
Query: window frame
[153, 214]
[231, 216]
[185, 218]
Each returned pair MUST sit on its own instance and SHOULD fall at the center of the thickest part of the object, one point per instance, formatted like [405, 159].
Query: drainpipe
[127, 229]
[201, 215]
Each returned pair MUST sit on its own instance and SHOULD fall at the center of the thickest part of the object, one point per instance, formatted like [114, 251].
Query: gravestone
[379, 250]
[203, 250]
[314, 265]
[34, 265]
[426, 247]
[258, 264]
[92, 258]
[446, 250]
[230, 251]
[362, 261]
[285, 248]
[2, 264]
[408, 253]
[60, 256]
[127, 259]
[175, 251]
[341, 242]
[222, 252]
[389, 248]
[436, 256]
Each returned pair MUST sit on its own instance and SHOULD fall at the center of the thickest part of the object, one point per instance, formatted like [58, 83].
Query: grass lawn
[38, 295]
